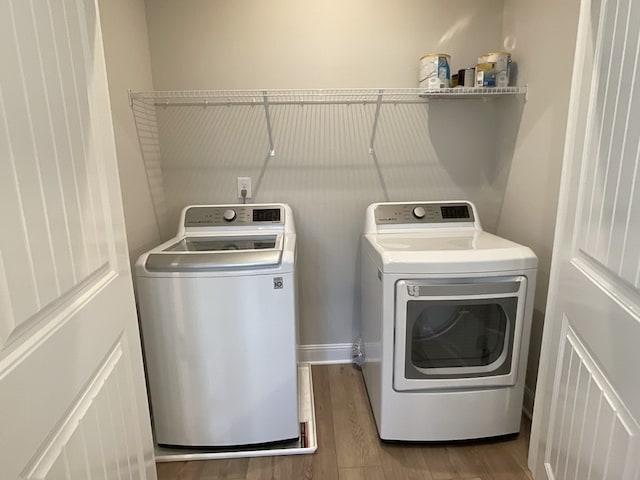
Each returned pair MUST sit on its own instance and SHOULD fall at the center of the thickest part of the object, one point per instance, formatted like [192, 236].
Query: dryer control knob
[419, 212]
[229, 215]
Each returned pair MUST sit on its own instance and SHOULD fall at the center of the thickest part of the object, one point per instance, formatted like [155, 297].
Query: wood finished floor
[349, 448]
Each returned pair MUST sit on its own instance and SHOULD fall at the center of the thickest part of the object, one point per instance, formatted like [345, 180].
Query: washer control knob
[229, 215]
[419, 212]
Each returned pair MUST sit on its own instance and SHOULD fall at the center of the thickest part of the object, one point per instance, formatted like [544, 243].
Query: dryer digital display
[454, 211]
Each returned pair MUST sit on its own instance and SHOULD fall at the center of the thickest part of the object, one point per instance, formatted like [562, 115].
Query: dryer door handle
[464, 289]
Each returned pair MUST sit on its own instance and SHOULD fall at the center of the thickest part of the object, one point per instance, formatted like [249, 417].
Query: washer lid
[224, 252]
[224, 243]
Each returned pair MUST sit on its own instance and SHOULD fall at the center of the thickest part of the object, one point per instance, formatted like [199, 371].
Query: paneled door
[72, 394]
[587, 407]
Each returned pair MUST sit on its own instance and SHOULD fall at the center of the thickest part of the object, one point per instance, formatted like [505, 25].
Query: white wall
[541, 36]
[230, 44]
[126, 44]
[322, 166]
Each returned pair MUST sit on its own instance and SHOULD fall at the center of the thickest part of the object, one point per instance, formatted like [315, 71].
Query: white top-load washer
[446, 317]
[218, 315]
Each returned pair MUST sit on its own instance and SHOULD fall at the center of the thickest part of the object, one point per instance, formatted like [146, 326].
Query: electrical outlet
[244, 183]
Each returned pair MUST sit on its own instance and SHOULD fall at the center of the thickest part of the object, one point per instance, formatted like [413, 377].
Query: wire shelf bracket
[267, 115]
[372, 142]
[376, 117]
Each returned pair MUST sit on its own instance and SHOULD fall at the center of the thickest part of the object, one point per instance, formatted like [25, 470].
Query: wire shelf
[319, 96]
[474, 92]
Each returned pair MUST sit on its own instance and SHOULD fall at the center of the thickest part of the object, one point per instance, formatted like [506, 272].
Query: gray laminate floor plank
[356, 440]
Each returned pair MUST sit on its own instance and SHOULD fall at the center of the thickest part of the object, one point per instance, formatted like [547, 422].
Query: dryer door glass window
[459, 338]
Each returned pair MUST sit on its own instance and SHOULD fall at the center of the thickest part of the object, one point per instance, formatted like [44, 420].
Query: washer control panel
[232, 215]
[445, 212]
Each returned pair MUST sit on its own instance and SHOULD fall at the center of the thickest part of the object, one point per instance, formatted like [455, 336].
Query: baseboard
[527, 405]
[325, 353]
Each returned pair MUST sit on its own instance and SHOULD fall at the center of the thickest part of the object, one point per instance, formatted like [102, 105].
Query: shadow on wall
[324, 169]
[478, 158]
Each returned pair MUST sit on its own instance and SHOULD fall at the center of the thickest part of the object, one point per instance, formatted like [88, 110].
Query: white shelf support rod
[372, 150]
[265, 102]
[374, 128]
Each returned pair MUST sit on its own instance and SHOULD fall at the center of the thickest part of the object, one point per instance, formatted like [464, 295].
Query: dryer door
[458, 335]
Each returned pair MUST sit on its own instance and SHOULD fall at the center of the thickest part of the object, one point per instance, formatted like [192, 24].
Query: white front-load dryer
[218, 315]
[446, 317]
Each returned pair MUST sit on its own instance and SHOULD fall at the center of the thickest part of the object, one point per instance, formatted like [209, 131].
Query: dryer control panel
[403, 213]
